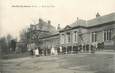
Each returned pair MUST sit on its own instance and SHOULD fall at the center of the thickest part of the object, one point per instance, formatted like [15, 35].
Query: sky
[16, 15]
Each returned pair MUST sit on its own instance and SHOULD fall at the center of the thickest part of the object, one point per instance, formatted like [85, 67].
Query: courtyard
[100, 62]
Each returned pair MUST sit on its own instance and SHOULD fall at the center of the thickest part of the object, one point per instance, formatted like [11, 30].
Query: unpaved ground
[80, 63]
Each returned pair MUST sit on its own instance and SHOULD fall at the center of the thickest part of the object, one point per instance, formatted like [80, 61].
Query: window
[75, 36]
[33, 27]
[94, 36]
[68, 37]
[107, 34]
[62, 39]
[110, 34]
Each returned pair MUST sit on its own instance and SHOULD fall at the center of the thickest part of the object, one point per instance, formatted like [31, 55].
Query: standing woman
[36, 52]
[30, 49]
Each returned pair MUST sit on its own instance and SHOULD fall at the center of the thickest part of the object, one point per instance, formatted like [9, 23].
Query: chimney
[40, 20]
[58, 28]
[49, 22]
[97, 15]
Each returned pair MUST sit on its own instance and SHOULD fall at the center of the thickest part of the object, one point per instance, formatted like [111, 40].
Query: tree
[24, 39]
[3, 45]
[29, 36]
[13, 45]
[23, 36]
[6, 43]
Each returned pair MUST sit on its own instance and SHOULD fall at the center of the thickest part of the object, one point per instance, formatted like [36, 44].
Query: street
[70, 63]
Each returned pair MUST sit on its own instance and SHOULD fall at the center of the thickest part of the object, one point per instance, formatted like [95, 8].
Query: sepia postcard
[57, 36]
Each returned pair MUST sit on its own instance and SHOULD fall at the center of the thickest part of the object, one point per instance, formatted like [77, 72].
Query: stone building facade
[43, 35]
[81, 35]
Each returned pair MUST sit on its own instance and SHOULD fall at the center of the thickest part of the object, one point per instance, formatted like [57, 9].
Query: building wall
[100, 31]
[86, 35]
[83, 35]
[74, 34]
[108, 44]
[50, 42]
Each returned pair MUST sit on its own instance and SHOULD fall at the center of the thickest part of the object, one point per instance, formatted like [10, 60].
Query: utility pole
[80, 40]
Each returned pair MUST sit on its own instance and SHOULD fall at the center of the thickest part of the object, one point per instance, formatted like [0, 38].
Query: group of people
[37, 51]
[34, 52]
[33, 49]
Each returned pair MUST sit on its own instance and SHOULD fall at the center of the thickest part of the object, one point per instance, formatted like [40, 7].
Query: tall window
[94, 36]
[107, 34]
[75, 36]
[68, 37]
[105, 37]
[62, 39]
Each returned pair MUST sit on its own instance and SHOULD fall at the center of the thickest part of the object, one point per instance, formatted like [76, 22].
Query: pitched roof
[42, 25]
[101, 20]
[45, 28]
[67, 27]
[79, 22]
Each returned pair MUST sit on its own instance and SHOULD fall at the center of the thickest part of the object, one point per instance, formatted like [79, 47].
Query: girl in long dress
[36, 52]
